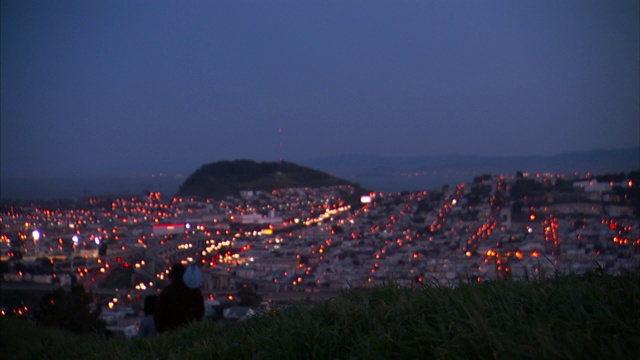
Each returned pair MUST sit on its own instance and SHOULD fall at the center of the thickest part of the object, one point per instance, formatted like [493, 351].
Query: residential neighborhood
[311, 243]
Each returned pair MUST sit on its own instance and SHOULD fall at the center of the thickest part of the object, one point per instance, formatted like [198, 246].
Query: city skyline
[93, 88]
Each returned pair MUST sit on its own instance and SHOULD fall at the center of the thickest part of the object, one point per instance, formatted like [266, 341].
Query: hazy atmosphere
[326, 179]
[92, 88]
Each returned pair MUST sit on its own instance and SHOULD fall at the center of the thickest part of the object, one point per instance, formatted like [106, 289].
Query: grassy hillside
[222, 178]
[588, 317]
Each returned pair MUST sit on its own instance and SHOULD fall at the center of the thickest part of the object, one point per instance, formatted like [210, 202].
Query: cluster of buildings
[466, 233]
[315, 241]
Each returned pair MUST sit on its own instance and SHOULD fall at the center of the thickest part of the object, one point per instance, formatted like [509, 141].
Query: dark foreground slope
[223, 178]
[594, 316]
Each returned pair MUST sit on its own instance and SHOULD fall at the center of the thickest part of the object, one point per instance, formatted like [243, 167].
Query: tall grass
[594, 316]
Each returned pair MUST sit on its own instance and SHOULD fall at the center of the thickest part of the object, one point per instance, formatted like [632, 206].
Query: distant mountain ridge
[629, 157]
[400, 173]
[222, 178]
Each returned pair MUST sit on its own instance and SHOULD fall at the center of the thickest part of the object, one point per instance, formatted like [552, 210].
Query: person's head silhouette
[176, 272]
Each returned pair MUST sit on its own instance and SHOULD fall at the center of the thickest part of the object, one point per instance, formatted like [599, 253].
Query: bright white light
[97, 240]
[36, 235]
[365, 199]
[187, 226]
[75, 239]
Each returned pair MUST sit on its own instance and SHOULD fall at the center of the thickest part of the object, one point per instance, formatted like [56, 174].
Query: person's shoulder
[171, 288]
[182, 288]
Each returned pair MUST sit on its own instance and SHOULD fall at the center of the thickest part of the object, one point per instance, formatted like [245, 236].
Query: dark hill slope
[223, 178]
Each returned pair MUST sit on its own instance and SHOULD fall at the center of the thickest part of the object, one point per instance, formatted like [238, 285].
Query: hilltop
[592, 316]
[387, 174]
[222, 178]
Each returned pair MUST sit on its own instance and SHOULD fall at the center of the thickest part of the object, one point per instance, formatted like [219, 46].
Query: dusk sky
[97, 87]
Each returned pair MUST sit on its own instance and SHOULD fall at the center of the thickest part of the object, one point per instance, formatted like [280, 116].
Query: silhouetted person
[178, 304]
[148, 324]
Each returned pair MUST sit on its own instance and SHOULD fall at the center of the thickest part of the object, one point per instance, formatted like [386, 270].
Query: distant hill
[223, 178]
[378, 173]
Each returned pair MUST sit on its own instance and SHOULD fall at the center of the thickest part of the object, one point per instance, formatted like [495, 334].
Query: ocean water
[56, 188]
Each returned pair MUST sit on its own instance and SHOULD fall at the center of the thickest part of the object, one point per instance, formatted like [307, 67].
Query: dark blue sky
[95, 87]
